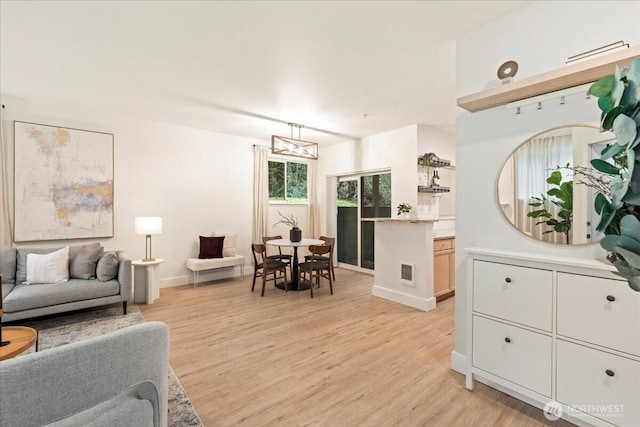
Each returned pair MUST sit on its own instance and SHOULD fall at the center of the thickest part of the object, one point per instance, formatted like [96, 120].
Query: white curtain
[260, 192]
[6, 231]
[313, 222]
[534, 162]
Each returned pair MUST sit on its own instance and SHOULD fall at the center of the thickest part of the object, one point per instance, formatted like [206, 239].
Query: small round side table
[20, 338]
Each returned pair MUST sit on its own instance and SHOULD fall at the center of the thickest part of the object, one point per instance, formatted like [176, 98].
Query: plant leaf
[634, 282]
[606, 104]
[601, 203]
[605, 167]
[630, 227]
[633, 258]
[607, 121]
[614, 243]
[555, 178]
[625, 129]
[611, 151]
[603, 87]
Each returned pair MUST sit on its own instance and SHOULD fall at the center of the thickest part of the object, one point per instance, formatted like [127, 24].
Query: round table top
[20, 338]
[287, 242]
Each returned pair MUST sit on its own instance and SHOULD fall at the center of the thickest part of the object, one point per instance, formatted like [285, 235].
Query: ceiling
[344, 70]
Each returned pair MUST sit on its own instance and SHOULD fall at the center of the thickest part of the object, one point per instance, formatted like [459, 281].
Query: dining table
[294, 285]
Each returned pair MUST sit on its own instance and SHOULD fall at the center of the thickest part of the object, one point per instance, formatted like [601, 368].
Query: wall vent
[407, 273]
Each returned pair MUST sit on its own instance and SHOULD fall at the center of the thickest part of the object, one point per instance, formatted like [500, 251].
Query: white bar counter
[405, 242]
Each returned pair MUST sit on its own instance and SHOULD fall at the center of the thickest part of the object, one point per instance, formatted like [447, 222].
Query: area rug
[55, 331]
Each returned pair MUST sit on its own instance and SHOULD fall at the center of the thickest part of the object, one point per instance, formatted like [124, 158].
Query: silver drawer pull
[507, 340]
[609, 372]
[611, 298]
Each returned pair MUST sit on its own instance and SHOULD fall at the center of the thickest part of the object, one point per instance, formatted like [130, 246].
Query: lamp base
[148, 259]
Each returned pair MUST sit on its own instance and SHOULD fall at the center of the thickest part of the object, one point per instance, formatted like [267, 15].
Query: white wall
[395, 150]
[444, 146]
[540, 37]
[197, 181]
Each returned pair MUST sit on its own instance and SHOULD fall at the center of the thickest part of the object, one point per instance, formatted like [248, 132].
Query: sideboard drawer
[601, 384]
[600, 311]
[515, 354]
[518, 294]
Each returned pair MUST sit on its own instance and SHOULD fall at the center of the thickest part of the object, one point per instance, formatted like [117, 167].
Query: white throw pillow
[48, 268]
[229, 244]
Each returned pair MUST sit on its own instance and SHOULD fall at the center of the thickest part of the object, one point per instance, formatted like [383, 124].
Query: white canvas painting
[63, 183]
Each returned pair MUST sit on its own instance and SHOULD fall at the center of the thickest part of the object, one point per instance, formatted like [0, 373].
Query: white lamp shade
[148, 225]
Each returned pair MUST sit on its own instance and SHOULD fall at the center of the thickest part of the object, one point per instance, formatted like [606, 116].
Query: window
[287, 182]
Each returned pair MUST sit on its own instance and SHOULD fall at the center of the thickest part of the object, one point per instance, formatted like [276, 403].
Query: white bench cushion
[197, 264]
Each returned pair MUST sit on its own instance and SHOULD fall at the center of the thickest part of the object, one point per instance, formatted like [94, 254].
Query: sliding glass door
[347, 232]
[361, 199]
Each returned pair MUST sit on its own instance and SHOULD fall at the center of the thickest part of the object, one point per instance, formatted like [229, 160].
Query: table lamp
[148, 225]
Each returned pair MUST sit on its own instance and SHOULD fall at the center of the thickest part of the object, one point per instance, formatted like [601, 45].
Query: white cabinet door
[600, 311]
[515, 354]
[599, 383]
[518, 294]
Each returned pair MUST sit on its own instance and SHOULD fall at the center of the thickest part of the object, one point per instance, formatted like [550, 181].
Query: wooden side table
[146, 283]
[20, 338]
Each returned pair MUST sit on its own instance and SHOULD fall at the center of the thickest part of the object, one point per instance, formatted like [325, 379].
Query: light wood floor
[350, 359]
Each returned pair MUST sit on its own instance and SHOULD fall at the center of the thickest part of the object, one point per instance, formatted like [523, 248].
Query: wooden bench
[197, 265]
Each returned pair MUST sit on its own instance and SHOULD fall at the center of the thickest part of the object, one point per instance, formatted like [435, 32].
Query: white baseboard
[459, 362]
[425, 304]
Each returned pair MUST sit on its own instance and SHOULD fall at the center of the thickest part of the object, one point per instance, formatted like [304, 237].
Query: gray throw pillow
[8, 265]
[107, 268]
[74, 250]
[83, 265]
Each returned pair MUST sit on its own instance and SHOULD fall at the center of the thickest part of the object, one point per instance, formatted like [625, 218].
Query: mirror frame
[496, 187]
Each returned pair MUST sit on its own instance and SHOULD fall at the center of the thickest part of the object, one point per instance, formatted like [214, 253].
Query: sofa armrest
[124, 275]
[52, 385]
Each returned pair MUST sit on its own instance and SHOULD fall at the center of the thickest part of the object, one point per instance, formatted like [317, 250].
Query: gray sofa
[20, 301]
[117, 379]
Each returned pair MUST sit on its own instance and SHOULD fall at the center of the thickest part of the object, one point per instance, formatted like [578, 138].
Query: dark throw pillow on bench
[211, 247]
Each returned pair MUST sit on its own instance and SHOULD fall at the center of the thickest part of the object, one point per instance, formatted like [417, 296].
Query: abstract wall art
[63, 183]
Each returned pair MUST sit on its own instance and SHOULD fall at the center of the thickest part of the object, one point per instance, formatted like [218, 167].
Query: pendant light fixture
[294, 147]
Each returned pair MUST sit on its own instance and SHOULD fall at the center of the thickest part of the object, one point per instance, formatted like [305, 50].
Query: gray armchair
[117, 379]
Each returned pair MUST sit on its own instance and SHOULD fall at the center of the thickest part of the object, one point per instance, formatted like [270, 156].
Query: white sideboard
[550, 329]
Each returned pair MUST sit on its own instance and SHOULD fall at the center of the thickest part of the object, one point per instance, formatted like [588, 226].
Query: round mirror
[538, 193]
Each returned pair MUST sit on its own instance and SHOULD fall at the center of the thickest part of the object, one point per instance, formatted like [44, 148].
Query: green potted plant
[619, 100]
[404, 209]
[561, 195]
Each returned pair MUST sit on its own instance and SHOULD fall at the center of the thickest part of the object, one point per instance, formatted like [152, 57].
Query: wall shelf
[433, 189]
[569, 76]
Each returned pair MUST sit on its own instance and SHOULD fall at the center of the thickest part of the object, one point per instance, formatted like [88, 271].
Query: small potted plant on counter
[403, 210]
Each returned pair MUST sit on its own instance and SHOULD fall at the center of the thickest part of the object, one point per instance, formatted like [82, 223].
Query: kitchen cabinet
[444, 264]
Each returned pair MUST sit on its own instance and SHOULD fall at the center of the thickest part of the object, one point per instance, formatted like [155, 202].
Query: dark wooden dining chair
[286, 258]
[328, 241]
[264, 266]
[317, 268]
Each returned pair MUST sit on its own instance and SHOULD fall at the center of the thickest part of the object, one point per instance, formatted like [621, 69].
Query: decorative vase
[295, 234]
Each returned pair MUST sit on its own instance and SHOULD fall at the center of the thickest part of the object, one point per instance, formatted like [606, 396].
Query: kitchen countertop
[449, 233]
